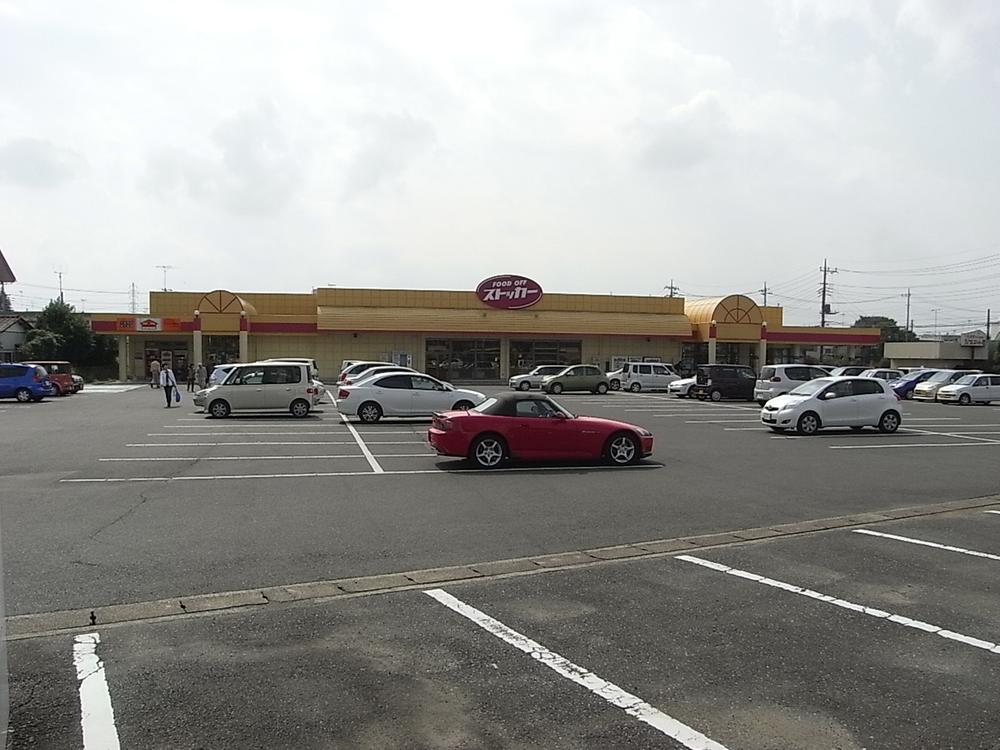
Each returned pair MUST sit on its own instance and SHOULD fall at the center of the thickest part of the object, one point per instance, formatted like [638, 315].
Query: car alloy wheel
[716, 395]
[557, 388]
[488, 451]
[622, 450]
[524, 386]
[299, 408]
[370, 412]
[889, 422]
[56, 390]
[462, 406]
[965, 399]
[219, 409]
[635, 387]
[23, 395]
[602, 388]
[808, 424]
[616, 385]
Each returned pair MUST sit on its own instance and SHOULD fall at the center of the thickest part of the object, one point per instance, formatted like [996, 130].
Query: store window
[527, 355]
[463, 359]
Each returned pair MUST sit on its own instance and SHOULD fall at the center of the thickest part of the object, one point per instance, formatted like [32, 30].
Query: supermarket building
[504, 327]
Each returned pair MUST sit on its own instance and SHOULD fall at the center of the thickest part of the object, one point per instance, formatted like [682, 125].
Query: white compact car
[370, 372]
[968, 388]
[682, 388]
[533, 379]
[402, 395]
[886, 375]
[263, 386]
[351, 368]
[928, 390]
[775, 380]
[647, 376]
[834, 402]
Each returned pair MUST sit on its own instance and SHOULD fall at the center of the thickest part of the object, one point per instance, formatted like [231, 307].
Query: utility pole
[132, 292]
[671, 288]
[764, 292]
[936, 310]
[824, 311]
[60, 275]
[908, 310]
[988, 331]
[165, 269]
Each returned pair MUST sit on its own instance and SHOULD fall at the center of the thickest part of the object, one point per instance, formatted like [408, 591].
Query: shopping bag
[177, 395]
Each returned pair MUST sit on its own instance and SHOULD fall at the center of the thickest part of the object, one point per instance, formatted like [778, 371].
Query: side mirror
[829, 395]
[559, 415]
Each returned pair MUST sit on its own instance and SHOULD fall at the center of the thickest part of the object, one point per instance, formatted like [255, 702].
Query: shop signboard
[972, 338]
[509, 292]
[148, 324]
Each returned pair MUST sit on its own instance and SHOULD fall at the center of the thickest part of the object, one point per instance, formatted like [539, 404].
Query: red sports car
[533, 426]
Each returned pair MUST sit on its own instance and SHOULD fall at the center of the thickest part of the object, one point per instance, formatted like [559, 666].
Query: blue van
[24, 382]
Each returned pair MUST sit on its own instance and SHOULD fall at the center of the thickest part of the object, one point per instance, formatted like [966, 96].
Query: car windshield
[912, 375]
[810, 387]
[944, 376]
[966, 380]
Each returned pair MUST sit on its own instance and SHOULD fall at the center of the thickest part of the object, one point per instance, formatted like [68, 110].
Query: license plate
[769, 418]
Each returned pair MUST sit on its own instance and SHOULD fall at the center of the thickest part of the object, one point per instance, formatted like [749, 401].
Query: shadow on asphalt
[460, 466]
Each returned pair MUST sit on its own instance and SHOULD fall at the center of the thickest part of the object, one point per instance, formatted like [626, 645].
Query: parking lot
[263, 581]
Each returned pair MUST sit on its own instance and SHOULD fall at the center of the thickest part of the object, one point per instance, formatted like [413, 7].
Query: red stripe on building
[103, 325]
[823, 338]
[261, 327]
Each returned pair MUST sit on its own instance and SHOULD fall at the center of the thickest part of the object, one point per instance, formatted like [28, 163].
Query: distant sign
[509, 292]
[973, 339]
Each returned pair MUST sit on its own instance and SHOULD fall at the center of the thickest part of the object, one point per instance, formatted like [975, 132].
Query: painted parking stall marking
[97, 717]
[608, 691]
[844, 604]
[925, 543]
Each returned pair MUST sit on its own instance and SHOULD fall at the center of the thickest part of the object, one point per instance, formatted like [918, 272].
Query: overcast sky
[594, 146]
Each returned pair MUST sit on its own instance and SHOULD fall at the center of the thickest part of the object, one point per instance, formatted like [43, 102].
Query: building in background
[973, 349]
[487, 335]
[13, 329]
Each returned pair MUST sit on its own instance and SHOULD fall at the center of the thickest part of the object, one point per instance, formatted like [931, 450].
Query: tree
[890, 329]
[5, 306]
[41, 344]
[72, 328]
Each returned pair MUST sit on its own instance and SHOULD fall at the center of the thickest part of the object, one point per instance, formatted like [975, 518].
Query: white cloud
[958, 31]
[38, 163]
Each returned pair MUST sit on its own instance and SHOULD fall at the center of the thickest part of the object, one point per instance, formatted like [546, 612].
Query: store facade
[460, 336]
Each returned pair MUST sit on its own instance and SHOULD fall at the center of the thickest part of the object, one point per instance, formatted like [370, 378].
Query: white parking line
[270, 442]
[844, 604]
[608, 691]
[376, 466]
[719, 421]
[130, 459]
[328, 433]
[907, 445]
[97, 717]
[313, 474]
[923, 543]
[994, 512]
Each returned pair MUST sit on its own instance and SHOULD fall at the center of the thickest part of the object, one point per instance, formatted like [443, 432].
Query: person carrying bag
[169, 384]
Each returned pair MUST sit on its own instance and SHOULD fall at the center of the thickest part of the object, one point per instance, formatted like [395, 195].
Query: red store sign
[508, 292]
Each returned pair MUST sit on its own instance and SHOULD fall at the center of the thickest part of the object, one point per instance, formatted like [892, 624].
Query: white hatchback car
[682, 388]
[971, 388]
[263, 386]
[533, 379]
[834, 402]
[775, 380]
[928, 390]
[882, 374]
[403, 394]
[647, 376]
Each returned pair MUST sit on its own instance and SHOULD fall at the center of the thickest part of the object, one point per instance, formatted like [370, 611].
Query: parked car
[77, 383]
[531, 426]
[403, 395]
[851, 370]
[353, 367]
[724, 381]
[313, 367]
[776, 380]
[905, 385]
[649, 376]
[220, 372]
[682, 388]
[370, 372]
[882, 374]
[60, 374]
[927, 391]
[614, 379]
[534, 378]
[24, 382]
[853, 402]
[263, 386]
[979, 388]
[576, 378]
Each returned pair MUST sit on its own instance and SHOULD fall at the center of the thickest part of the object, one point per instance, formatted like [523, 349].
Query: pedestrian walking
[168, 382]
[201, 376]
[191, 378]
[154, 373]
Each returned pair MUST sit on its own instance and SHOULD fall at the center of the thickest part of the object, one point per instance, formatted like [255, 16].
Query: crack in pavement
[132, 509]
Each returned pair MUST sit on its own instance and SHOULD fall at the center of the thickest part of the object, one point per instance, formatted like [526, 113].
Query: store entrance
[220, 350]
[526, 355]
[463, 359]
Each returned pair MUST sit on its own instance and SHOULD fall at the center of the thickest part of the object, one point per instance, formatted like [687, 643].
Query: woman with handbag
[168, 382]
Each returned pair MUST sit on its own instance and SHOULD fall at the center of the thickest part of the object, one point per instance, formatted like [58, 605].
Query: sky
[598, 147]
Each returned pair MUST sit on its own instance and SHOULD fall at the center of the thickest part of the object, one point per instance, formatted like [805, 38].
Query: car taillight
[442, 423]
[343, 394]
[38, 377]
[312, 391]
[775, 379]
[346, 382]
[342, 375]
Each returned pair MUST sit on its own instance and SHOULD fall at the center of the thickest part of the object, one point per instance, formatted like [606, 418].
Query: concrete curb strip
[51, 623]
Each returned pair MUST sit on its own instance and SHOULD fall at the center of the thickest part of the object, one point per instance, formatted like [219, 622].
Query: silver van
[263, 386]
[647, 376]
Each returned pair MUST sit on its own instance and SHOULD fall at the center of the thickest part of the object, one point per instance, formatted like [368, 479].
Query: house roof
[8, 321]
[6, 275]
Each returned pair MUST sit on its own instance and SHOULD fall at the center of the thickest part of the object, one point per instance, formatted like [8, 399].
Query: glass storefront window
[526, 355]
[463, 359]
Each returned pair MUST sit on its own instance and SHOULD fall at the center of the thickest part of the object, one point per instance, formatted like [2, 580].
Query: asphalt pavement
[113, 501]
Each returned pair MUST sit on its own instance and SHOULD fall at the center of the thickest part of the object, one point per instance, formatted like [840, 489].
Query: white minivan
[263, 386]
[647, 376]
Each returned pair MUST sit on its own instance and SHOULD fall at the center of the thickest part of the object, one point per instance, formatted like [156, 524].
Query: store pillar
[762, 346]
[244, 337]
[504, 360]
[712, 333]
[123, 358]
[197, 356]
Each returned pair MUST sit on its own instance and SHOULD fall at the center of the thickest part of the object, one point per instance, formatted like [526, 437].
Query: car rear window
[867, 387]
